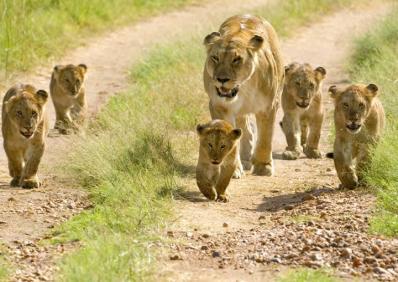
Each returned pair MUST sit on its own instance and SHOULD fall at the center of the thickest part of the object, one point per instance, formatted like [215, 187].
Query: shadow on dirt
[191, 196]
[290, 201]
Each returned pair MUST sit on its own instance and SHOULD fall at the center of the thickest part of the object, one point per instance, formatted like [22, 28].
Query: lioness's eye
[210, 146]
[237, 60]
[345, 105]
[298, 83]
[361, 106]
[34, 114]
[312, 85]
[19, 113]
[214, 58]
[222, 147]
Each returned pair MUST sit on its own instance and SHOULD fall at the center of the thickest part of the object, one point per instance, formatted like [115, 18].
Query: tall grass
[130, 163]
[33, 30]
[375, 60]
[308, 275]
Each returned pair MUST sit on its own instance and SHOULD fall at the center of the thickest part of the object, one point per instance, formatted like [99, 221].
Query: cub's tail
[330, 155]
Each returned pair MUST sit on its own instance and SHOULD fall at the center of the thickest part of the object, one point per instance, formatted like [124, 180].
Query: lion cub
[217, 158]
[303, 111]
[68, 95]
[359, 120]
[24, 127]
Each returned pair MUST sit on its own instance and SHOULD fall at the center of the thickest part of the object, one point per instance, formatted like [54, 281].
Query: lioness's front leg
[29, 177]
[15, 162]
[291, 128]
[311, 149]
[262, 157]
[206, 178]
[247, 140]
[343, 163]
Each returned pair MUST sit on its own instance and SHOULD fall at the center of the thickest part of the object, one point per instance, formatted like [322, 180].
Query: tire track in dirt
[288, 219]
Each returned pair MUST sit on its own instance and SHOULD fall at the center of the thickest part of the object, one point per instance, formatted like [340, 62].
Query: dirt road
[297, 217]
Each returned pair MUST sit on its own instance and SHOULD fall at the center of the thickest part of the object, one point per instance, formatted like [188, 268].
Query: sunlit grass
[308, 275]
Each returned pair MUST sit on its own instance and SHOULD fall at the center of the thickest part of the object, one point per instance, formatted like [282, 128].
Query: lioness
[359, 120]
[217, 158]
[24, 127]
[68, 96]
[303, 111]
[243, 75]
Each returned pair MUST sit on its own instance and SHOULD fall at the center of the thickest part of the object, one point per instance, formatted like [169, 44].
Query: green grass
[133, 155]
[375, 60]
[308, 275]
[31, 31]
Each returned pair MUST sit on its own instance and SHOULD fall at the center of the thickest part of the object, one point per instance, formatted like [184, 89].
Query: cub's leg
[343, 163]
[79, 110]
[311, 149]
[247, 140]
[227, 170]
[15, 164]
[29, 177]
[262, 157]
[63, 121]
[362, 157]
[304, 131]
[291, 128]
[206, 177]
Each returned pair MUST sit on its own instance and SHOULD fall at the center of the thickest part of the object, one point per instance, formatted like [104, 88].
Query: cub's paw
[30, 183]
[290, 155]
[312, 153]
[15, 181]
[222, 199]
[238, 173]
[247, 165]
[263, 170]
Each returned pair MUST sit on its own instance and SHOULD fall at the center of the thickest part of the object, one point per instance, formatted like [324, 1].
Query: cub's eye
[345, 105]
[19, 113]
[298, 83]
[361, 106]
[237, 60]
[215, 59]
[210, 146]
[222, 147]
[34, 114]
[312, 86]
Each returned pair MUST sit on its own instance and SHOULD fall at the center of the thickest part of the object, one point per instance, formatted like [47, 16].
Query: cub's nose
[222, 80]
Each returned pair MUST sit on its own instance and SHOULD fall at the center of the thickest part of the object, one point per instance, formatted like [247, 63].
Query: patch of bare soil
[298, 217]
[27, 216]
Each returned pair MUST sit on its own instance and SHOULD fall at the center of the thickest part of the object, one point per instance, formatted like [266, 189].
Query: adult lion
[244, 75]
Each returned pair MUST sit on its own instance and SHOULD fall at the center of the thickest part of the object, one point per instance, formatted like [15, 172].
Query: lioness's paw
[263, 170]
[30, 183]
[247, 165]
[312, 153]
[222, 199]
[15, 181]
[290, 155]
[238, 173]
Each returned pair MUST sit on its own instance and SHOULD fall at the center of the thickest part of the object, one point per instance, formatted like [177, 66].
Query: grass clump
[32, 31]
[375, 60]
[308, 275]
[130, 163]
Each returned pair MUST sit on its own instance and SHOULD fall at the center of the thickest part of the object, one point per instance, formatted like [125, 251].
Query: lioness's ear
[256, 42]
[236, 133]
[211, 38]
[333, 91]
[83, 67]
[200, 129]
[42, 96]
[320, 73]
[372, 90]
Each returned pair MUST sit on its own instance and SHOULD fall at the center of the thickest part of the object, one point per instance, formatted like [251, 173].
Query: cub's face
[303, 82]
[26, 111]
[70, 78]
[217, 139]
[230, 63]
[352, 105]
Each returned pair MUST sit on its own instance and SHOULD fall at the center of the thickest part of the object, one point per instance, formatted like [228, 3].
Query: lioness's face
[303, 82]
[217, 142]
[70, 77]
[352, 105]
[26, 112]
[230, 63]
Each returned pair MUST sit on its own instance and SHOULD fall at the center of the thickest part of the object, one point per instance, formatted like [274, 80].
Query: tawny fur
[68, 96]
[359, 120]
[303, 110]
[24, 128]
[243, 75]
[217, 158]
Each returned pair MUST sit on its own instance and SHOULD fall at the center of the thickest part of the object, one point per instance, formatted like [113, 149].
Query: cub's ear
[320, 73]
[333, 91]
[8, 104]
[83, 67]
[256, 42]
[211, 38]
[372, 90]
[56, 71]
[42, 96]
[236, 133]
[200, 129]
[289, 68]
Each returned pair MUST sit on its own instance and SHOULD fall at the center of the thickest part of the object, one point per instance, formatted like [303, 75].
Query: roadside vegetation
[375, 60]
[34, 30]
[308, 275]
[135, 151]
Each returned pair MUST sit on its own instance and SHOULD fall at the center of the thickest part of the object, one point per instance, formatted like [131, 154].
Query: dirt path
[26, 216]
[298, 216]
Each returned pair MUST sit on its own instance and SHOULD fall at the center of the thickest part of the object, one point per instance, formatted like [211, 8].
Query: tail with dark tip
[330, 155]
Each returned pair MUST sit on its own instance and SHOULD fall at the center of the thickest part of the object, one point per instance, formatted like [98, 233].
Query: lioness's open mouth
[26, 134]
[215, 162]
[222, 92]
[302, 105]
[353, 127]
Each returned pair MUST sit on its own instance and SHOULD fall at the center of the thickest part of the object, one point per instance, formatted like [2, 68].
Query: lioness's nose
[222, 80]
